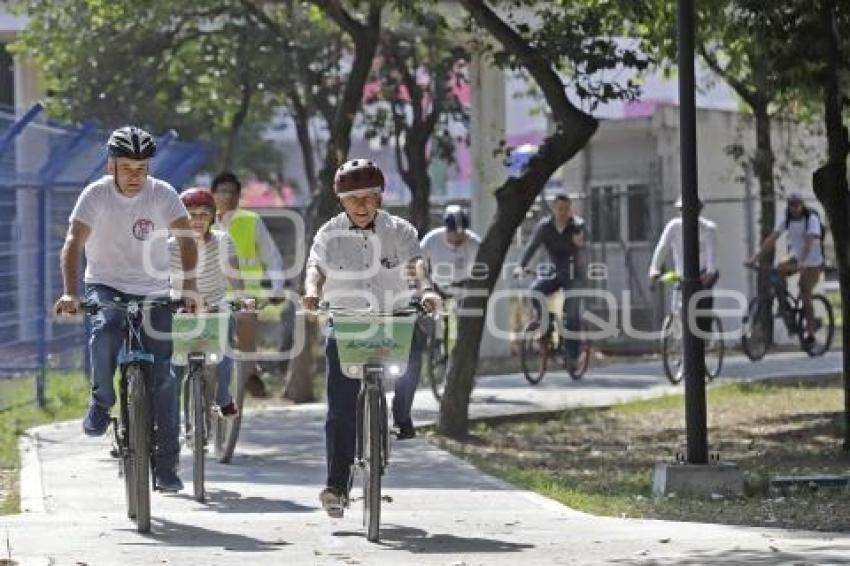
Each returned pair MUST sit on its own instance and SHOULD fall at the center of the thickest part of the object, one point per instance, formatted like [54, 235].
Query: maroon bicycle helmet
[358, 175]
[197, 197]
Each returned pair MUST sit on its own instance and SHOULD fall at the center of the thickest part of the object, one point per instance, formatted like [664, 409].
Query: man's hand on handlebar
[67, 305]
[310, 302]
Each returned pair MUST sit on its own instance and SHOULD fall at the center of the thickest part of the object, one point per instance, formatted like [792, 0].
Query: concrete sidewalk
[264, 506]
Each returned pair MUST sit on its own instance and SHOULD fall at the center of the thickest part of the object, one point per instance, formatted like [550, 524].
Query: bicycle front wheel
[438, 361]
[714, 350]
[534, 353]
[671, 348]
[755, 336]
[824, 327]
[139, 410]
[227, 428]
[199, 429]
[373, 467]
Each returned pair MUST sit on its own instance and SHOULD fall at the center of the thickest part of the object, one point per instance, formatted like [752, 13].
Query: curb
[31, 481]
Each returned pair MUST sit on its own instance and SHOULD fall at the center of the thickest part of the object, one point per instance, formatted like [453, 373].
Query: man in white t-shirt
[805, 251]
[363, 258]
[123, 221]
[451, 249]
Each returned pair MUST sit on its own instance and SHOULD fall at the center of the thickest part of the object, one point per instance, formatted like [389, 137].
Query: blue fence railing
[43, 168]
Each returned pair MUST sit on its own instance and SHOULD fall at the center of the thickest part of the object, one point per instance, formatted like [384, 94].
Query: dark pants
[108, 331]
[571, 307]
[341, 422]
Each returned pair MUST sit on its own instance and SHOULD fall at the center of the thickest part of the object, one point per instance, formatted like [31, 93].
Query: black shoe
[405, 431]
[333, 501]
[96, 421]
[168, 481]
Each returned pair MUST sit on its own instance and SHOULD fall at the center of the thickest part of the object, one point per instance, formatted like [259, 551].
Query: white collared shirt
[365, 268]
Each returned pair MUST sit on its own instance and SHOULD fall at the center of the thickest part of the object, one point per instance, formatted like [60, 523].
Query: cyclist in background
[671, 241]
[259, 258]
[342, 269]
[122, 221]
[563, 235]
[451, 249]
[217, 267]
[805, 252]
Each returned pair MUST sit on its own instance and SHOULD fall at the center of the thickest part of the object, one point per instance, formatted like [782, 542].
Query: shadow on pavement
[169, 533]
[226, 501]
[418, 541]
[772, 556]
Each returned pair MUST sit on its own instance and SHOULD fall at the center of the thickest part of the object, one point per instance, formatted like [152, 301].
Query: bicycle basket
[205, 332]
[373, 340]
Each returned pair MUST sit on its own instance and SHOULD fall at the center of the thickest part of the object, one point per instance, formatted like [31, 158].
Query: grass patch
[67, 396]
[601, 460]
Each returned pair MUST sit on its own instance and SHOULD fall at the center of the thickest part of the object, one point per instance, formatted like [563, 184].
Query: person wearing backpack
[805, 251]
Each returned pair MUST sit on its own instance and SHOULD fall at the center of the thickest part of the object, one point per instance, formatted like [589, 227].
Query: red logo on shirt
[143, 228]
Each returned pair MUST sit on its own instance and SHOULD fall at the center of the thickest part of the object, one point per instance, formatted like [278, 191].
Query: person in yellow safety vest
[259, 258]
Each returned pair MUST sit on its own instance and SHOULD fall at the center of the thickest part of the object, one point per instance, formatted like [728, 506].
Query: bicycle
[134, 427]
[197, 339]
[756, 339]
[538, 346]
[672, 350]
[442, 334]
[372, 345]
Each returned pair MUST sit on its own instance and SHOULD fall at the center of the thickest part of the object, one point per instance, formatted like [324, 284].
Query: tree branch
[737, 85]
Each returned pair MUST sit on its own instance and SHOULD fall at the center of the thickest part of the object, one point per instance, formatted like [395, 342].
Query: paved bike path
[264, 508]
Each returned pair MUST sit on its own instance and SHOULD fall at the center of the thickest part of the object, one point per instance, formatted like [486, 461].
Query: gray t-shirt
[798, 231]
[128, 245]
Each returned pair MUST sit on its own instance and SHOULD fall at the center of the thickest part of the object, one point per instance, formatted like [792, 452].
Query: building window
[605, 214]
[7, 78]
[638, 212]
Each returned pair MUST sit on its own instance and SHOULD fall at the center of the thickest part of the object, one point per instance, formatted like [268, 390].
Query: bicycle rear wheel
[824, 327]
[755, 337]
[227, 428]
[714, 350]
[199, 428]
[671, 348]
[534, 353]
[139, 410]
[373, 467]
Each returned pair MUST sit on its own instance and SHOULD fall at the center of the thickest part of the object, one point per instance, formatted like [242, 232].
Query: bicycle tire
[438, 361]
[199, 429]
[373, 467]
[227, 428]
[534, 362]
[139, 409]
[711, 372]
[125, 464]
[582, 364]
[671, 346]
[816, 349]
[755, 346]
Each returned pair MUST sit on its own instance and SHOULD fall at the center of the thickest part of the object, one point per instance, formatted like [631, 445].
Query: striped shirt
[215, 256]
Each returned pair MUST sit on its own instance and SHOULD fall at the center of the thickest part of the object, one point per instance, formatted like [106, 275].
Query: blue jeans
[108, 331]
[571, 307]
[341, 422]
[223, 371]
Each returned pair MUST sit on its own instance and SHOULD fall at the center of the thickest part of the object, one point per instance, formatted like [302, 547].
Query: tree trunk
[418, 180]
[302, 368]
[830, 186]
[239, 117]
[302, 130]
[763, 164]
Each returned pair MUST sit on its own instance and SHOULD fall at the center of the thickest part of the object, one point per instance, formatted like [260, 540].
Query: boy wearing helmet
[218, 266]
[451, 249]
[122, 221]
[363, 258]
